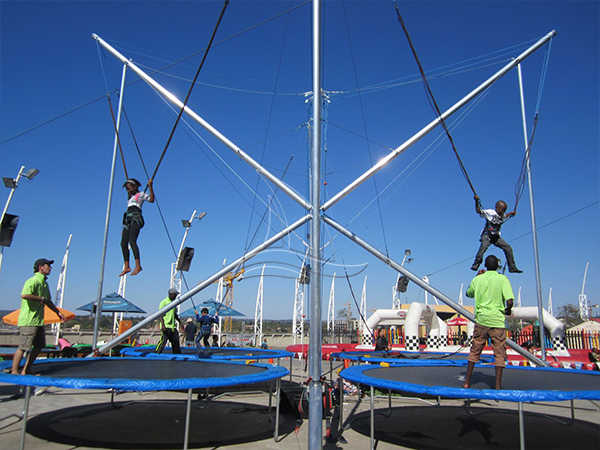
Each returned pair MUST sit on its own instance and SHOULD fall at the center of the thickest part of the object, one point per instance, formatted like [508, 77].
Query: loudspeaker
[402, 284]
[7, 229]
[185, 259]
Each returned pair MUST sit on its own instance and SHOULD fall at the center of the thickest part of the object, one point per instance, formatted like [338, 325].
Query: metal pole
[110, 190]
[174, 100]
[25, 416]
[188, 411]
[415, 279]
[538, 279]
[206, 283]
[315, 387]
[10, 196]
[369, 173]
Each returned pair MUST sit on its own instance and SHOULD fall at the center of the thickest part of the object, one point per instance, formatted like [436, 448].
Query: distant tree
[344, 315]
[569, 314]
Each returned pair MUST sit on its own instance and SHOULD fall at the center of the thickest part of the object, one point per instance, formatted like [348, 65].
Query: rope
[520, 185]
[191, 88]
[432, 100]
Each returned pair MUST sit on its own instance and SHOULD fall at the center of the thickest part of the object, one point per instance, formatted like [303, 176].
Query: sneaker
[514, 270]
[474, 267]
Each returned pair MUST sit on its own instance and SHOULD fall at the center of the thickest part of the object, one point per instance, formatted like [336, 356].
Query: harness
[133, 215]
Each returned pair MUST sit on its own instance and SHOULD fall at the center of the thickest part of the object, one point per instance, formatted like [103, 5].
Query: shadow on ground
[453, 427]
[158, 425]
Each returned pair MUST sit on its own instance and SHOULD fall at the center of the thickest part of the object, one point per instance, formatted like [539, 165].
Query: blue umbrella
[114, 303]
[212, 306]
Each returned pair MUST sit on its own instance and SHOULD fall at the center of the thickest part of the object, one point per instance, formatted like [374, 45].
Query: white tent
[588, 325]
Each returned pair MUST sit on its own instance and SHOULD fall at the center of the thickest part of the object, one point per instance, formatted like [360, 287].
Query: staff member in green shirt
[167, 325]
[493, 301]
[35, 296]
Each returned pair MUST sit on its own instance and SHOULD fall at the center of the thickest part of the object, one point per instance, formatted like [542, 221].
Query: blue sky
[252, 90]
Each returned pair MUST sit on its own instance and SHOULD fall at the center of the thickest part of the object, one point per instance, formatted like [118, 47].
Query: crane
[227, 298]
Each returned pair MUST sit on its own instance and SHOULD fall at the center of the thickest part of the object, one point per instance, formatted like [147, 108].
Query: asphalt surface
[65, 419]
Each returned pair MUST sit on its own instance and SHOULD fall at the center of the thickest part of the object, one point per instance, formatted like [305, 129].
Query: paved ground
[62, 419]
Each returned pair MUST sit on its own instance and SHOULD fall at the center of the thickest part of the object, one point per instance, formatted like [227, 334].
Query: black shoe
[474, 267]
[514, 270]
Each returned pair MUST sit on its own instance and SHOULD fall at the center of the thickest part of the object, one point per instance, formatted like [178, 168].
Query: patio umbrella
[224, 311]
[49, 316]
[457, 322]
[114, 303]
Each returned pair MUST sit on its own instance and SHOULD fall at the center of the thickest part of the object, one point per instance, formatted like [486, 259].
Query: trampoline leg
[521, 428]
[291, 362]
[25, 414]
[389, 403]
[188, 410]
[372, 403]
[341, 388]
[278, 401]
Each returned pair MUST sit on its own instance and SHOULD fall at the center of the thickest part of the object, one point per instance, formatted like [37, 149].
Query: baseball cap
[173, 291]
[41, 262]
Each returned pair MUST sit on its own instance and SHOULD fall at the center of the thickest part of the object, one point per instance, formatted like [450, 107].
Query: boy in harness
[133, 222]
[494, 218]
[205, 322]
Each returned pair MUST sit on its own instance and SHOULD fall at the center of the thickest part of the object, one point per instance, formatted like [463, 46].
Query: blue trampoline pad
[222, 353]
[142, 374]
[416, 358]
[519, 384]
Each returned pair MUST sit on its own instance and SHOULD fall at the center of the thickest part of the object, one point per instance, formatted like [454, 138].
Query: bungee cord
[189, 93]
[432, 100]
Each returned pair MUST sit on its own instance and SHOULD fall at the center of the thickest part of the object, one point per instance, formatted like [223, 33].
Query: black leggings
[129, 238]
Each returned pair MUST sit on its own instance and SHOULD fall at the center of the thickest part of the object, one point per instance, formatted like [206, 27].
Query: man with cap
[169, 330]
[493, 302]
[34, 296]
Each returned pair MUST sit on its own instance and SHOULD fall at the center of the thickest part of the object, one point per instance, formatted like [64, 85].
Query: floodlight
[407, 252]
[186, 223]
[9, 182]
[200, 216]
[31, 173]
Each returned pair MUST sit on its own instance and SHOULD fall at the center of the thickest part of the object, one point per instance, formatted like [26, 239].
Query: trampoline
[144, 374]
[416, 358]
[9, 352]
[217, 353]
[519, 384]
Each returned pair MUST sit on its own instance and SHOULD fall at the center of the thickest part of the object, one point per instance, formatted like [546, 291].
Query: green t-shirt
[169, 317]
[32, 312]
[490, 291]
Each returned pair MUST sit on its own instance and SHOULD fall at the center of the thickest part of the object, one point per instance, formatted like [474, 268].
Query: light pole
[401, 282]
[187, 224]
[12, 184]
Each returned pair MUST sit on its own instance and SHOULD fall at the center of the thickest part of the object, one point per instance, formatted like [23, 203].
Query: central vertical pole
[315, 388]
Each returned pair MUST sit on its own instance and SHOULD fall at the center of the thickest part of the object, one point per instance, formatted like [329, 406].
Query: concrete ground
[63, 419]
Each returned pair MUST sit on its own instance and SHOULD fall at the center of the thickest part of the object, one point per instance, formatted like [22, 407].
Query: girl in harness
[133, 222]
